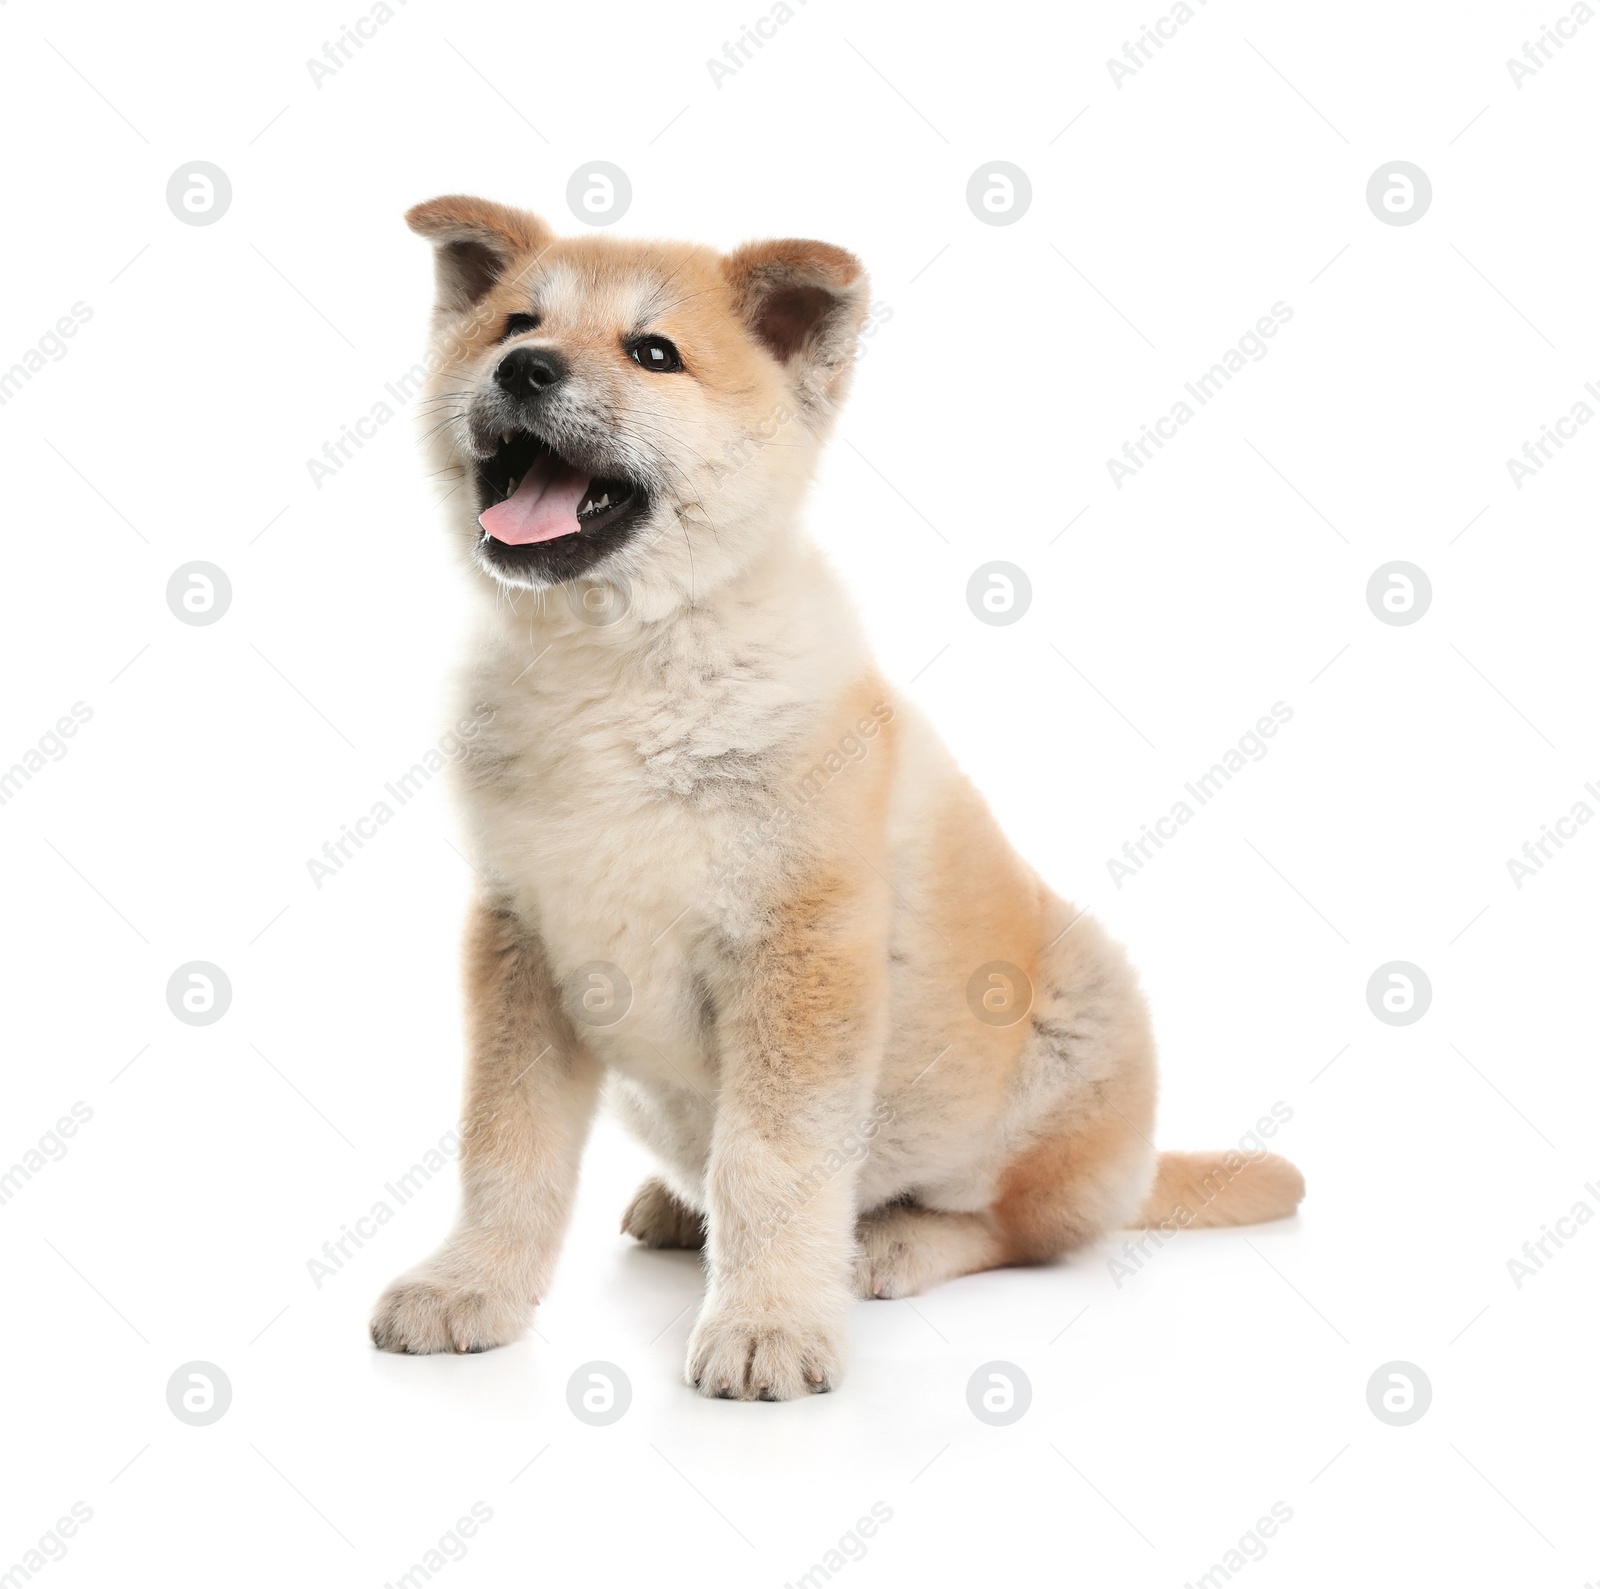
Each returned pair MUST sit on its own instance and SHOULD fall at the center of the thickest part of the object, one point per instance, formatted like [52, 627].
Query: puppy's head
[649, 410]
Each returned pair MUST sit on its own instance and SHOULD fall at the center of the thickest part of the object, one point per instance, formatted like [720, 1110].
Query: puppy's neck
[780, 628]
[616, 608]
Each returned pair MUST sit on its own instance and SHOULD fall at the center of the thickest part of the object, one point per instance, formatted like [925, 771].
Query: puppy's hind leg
[531, 1092]
[1084, 1174]
[658, 1217]
[1081, 1177]
[904, 1250]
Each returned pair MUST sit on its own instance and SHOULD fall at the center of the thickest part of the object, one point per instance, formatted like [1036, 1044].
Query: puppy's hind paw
[659, 1218]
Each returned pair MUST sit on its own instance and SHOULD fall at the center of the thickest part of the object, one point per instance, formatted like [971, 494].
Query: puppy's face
[641, 410]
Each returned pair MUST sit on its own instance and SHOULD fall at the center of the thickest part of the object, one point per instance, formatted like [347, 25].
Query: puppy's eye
[518, 323]
[655, 353]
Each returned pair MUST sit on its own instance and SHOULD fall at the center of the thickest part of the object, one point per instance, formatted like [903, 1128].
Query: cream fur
[719, 795]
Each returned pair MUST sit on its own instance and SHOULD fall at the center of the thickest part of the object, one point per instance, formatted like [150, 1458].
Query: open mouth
[545, 516]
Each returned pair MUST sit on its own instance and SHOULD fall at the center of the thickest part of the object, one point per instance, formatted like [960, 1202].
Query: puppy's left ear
[476, 241]
[804, 302]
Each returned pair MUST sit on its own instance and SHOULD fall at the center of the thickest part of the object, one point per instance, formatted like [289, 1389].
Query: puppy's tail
[1200, 1190]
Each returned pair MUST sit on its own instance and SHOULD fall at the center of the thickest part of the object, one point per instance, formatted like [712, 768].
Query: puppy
[725, 868]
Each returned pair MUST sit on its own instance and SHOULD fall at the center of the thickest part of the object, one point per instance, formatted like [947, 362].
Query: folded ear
[475, 242]
[804, 302]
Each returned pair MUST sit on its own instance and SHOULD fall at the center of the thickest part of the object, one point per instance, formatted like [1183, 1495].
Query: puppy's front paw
[426, 1313]
[772, 1357]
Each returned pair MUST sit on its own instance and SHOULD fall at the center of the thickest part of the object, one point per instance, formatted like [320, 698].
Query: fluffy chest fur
[623, 796]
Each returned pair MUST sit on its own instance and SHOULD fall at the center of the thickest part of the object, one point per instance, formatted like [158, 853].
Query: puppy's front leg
[530, 1096]
[800, 1034]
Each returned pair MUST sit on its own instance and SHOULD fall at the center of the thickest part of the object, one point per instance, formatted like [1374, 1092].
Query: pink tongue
[543, 507]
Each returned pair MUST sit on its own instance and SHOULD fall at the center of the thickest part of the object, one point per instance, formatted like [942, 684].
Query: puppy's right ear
[475, 242]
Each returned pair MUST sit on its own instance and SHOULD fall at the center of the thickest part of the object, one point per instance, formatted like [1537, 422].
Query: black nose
[525, 372]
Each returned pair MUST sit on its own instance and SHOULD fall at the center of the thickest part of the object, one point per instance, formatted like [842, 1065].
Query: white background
[1172, 212]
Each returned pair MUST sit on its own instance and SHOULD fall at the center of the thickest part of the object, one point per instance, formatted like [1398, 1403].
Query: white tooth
[505, 436]
[605, 501]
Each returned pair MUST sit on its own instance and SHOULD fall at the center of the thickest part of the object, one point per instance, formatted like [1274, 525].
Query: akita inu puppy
[723, 864]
